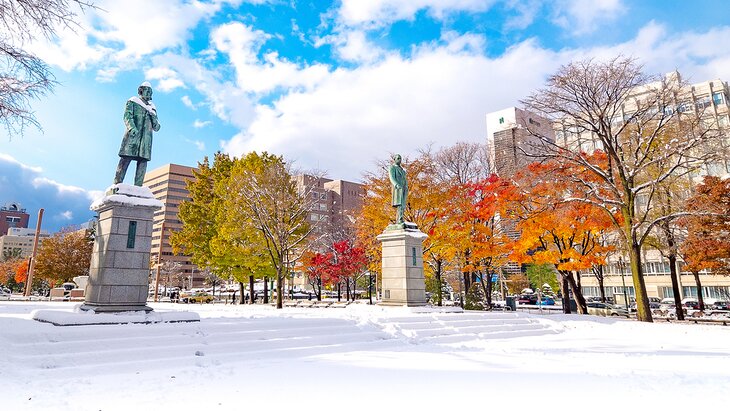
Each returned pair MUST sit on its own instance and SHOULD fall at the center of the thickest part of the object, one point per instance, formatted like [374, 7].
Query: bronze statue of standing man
[400, 188]
[140, 120]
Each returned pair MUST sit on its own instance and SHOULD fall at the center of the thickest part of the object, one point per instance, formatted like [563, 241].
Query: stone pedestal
[403, 283]
[120, 263]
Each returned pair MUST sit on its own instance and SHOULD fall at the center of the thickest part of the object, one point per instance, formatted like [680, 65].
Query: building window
[723, 121]
[718, 98]
[703, 102]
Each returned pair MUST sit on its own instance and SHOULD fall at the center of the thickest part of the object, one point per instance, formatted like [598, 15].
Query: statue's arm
[391, 175]
[155, 122]
[129, 119]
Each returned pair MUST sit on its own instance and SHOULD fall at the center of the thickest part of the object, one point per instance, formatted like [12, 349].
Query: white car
[5, 294]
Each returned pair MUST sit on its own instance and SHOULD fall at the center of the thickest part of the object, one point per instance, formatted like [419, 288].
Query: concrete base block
[403, 283]
[119, 272]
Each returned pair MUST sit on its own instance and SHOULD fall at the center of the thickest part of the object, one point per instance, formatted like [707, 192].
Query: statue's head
[396, 159]
[145, 91]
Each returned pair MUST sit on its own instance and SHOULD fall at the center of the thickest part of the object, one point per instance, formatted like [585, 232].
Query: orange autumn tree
[707, 245]
[479, 240]
[557, 228]
[21, 272]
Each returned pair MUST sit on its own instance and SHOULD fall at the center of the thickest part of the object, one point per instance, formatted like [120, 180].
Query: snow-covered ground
[359, 357]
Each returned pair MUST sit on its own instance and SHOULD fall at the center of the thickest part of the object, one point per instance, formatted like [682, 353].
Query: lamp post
[623, 281]
[370, 287]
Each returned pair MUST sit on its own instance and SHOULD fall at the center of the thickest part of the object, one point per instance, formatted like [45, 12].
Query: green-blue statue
[400, 188]
[140, 120]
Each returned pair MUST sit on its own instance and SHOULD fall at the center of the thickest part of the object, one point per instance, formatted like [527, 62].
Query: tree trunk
[566, 295]
[251, 293]
[347, 289]
[700, 298]
[489, 290]
[675, 286]
[266, 289]
[439, 296]
[243, 293]
[339, 291]
[601, 287]
[280, 288]
[580, 301]
[671, 246]
[643, 312]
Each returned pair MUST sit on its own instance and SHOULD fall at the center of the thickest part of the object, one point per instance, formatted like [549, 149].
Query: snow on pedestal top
[128, 195]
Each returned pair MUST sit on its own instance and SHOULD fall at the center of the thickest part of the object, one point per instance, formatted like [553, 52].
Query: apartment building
[169, 185]
[708, 98]
[12, 215]
[512, 141]
[334, 206]
[19, 241]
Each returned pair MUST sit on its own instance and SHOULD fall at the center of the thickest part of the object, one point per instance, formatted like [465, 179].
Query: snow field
[358, 357]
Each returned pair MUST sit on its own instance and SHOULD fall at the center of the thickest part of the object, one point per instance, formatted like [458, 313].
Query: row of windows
[719, 292]
[594, 291]
[175, 198]
[649, 268]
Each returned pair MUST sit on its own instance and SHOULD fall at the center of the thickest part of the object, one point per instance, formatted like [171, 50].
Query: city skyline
[333, 87]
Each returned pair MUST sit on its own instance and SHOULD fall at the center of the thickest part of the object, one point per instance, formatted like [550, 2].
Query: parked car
[720, 305]
[198, 297]
[527, 299]
[5, 294]
[606, 310]
[547, 301]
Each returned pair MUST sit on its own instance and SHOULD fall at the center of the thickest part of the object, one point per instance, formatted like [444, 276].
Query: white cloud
[168, 79]
[354, 46]
[9, 159]
[200, 124]
[378, 13]
[200, 145]
[63, 204]
[582, 17]
[440, 94]
[242, 44]
[397, 105]
[187, 102]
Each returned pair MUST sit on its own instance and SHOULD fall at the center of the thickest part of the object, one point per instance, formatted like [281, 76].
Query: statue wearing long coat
[398, 178]
[142, 118]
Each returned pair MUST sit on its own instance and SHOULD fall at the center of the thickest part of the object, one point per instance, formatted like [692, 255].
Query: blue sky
[333, 86]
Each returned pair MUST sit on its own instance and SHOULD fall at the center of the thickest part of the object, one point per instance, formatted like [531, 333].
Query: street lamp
[623, 281]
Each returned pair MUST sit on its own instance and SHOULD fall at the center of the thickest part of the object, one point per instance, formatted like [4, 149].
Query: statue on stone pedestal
[140, 120]
[400, 188]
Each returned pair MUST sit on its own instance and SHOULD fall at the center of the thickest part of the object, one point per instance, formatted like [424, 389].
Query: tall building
[334, 206]
[19, 241]
[12, 215]
[710, 98]
[511, 139]
[169, 185]
[335, 203]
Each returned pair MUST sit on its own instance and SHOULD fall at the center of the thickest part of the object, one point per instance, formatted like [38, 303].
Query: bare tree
[23, 75]
[271, 202]
[649, 129]
[462, 163]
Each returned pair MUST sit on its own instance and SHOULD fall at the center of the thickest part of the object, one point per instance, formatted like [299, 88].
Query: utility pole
[31, 267]
[159, 260]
